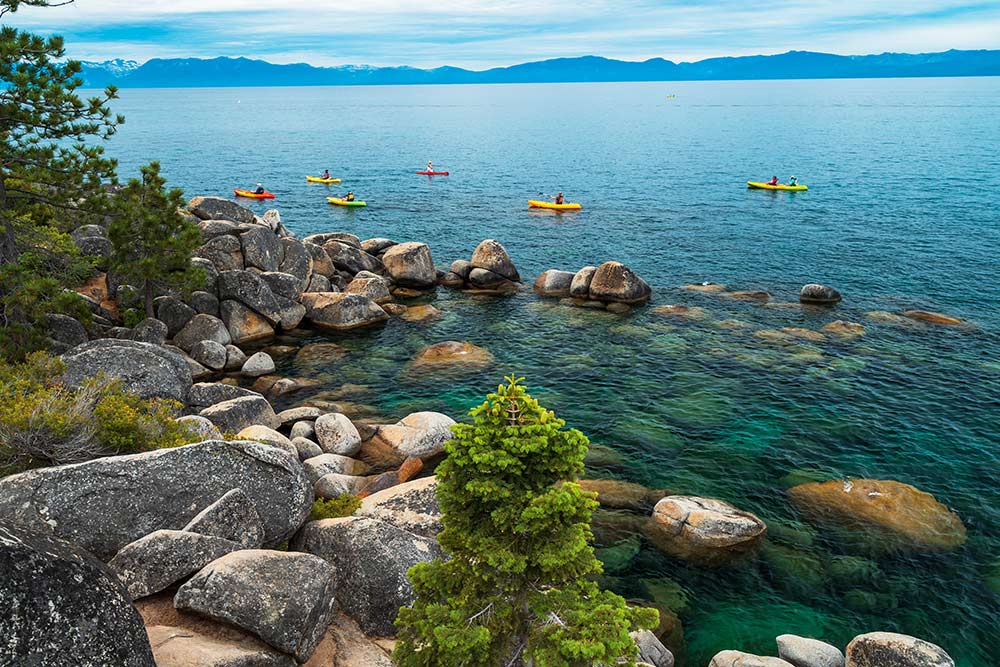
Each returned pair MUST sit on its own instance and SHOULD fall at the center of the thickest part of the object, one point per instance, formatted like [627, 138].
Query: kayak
[253, 195]
[779, 186]
[343, 202]
[532, 203]
[319, 179]
[433, 173]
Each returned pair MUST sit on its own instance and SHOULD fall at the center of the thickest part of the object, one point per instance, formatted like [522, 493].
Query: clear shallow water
[903, 212]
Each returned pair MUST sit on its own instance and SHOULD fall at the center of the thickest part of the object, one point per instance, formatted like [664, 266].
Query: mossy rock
[618, 557]
[792, 569]
[666, 592]
[792, 534]
[870, 602]
[847, 571]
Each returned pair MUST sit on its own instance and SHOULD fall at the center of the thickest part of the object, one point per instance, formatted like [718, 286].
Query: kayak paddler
[349, 197]
[793, 181]
[559, 199]
[326, 175]
[773, 181]
[259, 190]
[430, 166]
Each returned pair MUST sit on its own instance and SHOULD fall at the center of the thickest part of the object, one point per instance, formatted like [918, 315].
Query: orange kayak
[253, 195]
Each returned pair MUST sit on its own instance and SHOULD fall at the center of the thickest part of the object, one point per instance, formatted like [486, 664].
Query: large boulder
[554, 283]
[377, 246]
[260, 363]
[888, 649]
[339, 311]
[337, 434]
[224, 252]
[284, 285]
[244, 324]
[210, 354]
[202, 327]
[164, 557]
[350, 258]
[204, 394]
[412, 506]
[580, 285]
[150, 330]
[613, 281]
[104, 504]
[174, 313]
[370, 285]
[375, 557]
[236, 414]
[651, 650]
[61, 606]
[703, 530]
[148, 370]
[449, 354]
[419, 435]
[806, 652]
[261, 249]
[493, 257]
[297, 262]
[818, 294]
[286, 599]
[882, 515]
[410, 265]
[65, 331]
[252, 291]
[217, 208]
[321, 263]
[232, 517]
[211, 273]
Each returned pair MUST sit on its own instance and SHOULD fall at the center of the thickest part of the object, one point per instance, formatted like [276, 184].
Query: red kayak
[433, 173]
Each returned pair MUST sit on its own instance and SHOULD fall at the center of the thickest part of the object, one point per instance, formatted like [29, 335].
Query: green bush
[344, 505]
[43, 422]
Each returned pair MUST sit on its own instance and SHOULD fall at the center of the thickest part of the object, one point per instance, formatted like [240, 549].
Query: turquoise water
[903, 212]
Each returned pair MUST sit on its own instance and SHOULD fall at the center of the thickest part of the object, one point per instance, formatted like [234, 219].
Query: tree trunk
[148, 295]
[8, 245]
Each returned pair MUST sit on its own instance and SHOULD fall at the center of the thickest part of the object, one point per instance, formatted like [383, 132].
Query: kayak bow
[779, 186]
[253, 195]
[534, 203]
[339, 201]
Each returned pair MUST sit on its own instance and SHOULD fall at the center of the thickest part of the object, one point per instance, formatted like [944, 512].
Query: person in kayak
[430, 166]
[793, 181]
[259, 190]
[558, 199]
[326, 175]
[773, 181]
[349, 197]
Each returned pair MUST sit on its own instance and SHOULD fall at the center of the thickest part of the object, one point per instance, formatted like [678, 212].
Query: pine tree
[151, 243]
[517, 588]
[50, 179]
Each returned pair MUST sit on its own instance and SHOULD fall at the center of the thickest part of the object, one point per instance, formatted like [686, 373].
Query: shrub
[344, 505]
[517, 588]
[43, 422]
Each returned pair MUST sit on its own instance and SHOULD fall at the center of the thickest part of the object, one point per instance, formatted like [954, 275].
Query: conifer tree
[51, 180]
[517, 588]
[151, 243]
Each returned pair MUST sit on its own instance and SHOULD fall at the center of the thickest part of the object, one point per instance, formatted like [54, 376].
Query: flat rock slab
[164, 557]
[184, 647]
[285, 598]
[104, 504]
[61, 606]
[412, 506]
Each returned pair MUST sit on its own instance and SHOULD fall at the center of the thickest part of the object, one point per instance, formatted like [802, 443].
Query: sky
[479, 34]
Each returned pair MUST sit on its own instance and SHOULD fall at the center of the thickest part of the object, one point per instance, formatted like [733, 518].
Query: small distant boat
[339, 201]
[534, 203]
[671, 97]
[779, 186]
[433, 173]
[320, 179]
[253, 195]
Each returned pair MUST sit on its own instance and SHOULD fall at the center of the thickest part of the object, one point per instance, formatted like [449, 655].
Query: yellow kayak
[779, 186]
[317, 179]
[343, 202]
[534, 203]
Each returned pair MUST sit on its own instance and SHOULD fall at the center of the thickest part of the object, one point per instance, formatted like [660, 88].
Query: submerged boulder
[107, 503]
[452, 353]
[881, 515]
[703, 530]
[932, 318]
[60, 606]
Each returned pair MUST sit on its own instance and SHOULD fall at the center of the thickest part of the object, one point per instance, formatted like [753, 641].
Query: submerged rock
[703, 530]
[845, 329]
[61, 606]
[884, 515]
[932, 318]
[617, 494]
[706, 287]
[452, 353]
[421, 313]
[888, 649]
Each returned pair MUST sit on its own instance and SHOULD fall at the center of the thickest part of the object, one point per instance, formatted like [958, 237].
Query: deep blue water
[903, 212]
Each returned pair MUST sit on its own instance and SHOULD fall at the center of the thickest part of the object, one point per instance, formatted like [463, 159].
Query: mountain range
[220, 72]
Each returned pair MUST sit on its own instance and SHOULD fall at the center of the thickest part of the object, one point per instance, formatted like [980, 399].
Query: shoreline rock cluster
[611, 285]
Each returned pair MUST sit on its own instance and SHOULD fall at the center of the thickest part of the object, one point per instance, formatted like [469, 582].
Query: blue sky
[486, 33]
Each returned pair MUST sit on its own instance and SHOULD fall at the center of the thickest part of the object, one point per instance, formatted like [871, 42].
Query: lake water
[903, 212]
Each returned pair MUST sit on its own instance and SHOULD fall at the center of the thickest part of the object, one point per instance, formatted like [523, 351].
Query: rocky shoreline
[212, 542]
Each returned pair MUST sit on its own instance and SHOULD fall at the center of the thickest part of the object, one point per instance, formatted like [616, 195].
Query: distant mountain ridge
[220, 72]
